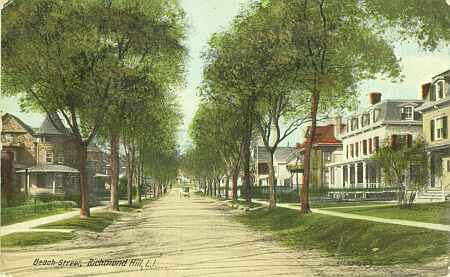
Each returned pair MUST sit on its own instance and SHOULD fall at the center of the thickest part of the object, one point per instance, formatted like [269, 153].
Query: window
[370, 146]
[438, 128]
[408, 113]
[439, 86]
[60, 158]
[351, 150]
[327, 156]
[49, 156]
[357, 149]
[376, 143]
[375, 115]
[346, 150]
[8, 137]
[448, 165]
[364, 147]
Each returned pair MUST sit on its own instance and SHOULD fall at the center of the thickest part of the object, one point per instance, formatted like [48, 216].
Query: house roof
[281, 154]
[390, 111]
[21, 123]
[324, 134]
[55, 168]
[52, 125]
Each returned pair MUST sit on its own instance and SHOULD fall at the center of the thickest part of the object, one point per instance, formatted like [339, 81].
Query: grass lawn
[351, 241]
[136, 205]
[320, 205]
[97, 222]
[33, 238]
[23, 213]
[433, 212]
[244, 203]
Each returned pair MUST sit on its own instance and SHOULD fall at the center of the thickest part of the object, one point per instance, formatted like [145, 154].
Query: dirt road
[185, 237]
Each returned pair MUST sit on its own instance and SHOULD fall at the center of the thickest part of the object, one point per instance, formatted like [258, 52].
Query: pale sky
[206, 17]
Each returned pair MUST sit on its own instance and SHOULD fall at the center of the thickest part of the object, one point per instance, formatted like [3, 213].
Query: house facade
[383, 122]
[436, 113]
[280, 160]
[46, 160]
[324, 150]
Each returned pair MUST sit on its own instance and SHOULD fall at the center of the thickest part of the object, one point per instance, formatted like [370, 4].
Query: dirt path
[188, 237]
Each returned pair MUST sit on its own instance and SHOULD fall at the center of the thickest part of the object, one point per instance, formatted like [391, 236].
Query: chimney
[424, 90]
[374, 98]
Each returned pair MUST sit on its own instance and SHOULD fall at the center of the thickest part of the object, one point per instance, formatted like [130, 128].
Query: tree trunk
[218, 187]
[247, 157]
[84, 186]
[227, 187]
[139, 182]
[114, 162]
[305, 208]
[129, 181]
[234, 184]
[272, 196]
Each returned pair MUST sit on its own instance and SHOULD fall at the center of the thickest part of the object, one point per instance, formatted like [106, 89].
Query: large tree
[342, 43]
[71, 57]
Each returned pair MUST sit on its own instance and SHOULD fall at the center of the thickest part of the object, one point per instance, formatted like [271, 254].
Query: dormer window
[375, 113]
[408, 113]
[439, 88]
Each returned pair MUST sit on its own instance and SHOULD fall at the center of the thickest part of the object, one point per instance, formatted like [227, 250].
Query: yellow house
[436, 113]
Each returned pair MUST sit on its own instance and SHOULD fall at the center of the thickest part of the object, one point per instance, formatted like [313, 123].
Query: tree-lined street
[190, 237]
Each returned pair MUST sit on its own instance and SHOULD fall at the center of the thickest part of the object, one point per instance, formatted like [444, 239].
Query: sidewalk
[27, 226]
[418, 224]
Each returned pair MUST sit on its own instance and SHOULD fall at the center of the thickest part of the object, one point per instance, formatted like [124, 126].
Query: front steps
[431, 194]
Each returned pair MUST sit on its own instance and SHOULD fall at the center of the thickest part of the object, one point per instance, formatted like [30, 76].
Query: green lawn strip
[351, 241]
[34, 238]
[432, 213]
[321, 205]
[136, 205]
[97, 222]
[23, 213]
[244, 203]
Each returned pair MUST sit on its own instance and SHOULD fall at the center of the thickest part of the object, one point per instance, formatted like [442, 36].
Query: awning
[55, 168]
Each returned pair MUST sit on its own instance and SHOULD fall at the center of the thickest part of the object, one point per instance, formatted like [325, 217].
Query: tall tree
[342, 43]
[73, 56]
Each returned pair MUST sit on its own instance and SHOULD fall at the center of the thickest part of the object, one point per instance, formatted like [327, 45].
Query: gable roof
[26, 127]
[280, 155]
[324, 134]
[48, 128]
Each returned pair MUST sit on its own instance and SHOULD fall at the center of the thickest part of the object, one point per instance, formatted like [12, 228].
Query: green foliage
[31, 211]
[404, 165]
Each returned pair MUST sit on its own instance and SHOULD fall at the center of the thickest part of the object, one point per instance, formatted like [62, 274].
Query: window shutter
[394, 141]
[432, 130]
[409, 140]
[444, 127]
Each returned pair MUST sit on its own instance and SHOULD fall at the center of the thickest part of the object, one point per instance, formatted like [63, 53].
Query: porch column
[54, 183]
[364, 174]
[27, 182]
[348, 174]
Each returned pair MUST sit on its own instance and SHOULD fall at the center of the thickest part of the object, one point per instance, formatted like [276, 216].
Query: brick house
[46, 159]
